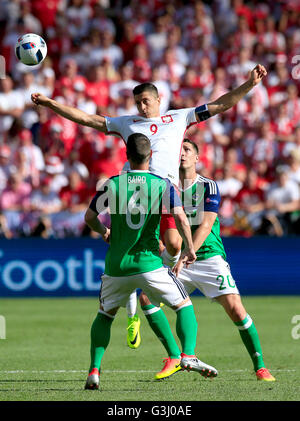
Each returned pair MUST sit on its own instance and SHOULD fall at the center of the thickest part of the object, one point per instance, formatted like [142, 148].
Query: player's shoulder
[124, 118]
[208, 183]
[180, 111]
[159, 178]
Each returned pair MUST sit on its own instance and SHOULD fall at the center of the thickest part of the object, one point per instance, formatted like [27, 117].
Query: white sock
[168, 259]
[131, 305]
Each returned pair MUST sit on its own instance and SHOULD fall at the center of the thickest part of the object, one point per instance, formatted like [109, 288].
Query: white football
[31, 49]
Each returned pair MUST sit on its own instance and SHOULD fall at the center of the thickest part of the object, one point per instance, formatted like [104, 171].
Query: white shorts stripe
[178, 283]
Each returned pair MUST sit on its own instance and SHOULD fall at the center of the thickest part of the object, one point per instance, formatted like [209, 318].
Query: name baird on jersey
[138, 179]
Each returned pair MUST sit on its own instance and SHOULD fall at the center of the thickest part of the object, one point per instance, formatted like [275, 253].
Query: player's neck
[139, 167]
[187, 177]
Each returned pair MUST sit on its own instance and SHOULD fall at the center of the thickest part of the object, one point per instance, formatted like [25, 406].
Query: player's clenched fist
[39, 99]
[257, 74]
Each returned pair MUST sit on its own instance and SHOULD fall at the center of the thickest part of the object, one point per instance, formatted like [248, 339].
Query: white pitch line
[121, 371]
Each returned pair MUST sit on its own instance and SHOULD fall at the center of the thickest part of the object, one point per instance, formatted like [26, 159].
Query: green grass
[45, 355]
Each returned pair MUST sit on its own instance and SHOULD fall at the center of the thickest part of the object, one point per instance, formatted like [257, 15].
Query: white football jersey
[166, 134]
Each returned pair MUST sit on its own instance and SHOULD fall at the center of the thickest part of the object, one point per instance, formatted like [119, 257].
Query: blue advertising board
[72, 267]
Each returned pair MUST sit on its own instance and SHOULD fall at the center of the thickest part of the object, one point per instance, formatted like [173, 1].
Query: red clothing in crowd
[75, 196]
[45, 11]
[248, 196]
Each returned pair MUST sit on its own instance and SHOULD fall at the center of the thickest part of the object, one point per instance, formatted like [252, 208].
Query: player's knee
[174, 247]
[144, 300]
[173, 242]
[237, 312]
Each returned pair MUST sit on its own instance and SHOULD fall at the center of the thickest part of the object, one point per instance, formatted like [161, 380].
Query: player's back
[135, 201]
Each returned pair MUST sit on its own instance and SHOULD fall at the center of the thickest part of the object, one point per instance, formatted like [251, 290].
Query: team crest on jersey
[208, 200]
[167, 119]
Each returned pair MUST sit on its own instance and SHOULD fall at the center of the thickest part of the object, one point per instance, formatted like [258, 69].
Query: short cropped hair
[195, 146]
[138, 148]
[143, 87]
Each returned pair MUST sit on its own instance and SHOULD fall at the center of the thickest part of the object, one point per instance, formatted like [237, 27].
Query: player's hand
[106, 236]
[187, 257]
[177, 268]
[39, 99]
[257, 74]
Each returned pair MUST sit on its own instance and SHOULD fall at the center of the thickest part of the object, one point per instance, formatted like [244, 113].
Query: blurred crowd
[193, 51]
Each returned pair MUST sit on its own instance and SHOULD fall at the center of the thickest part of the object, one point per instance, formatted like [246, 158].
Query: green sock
[160, 325]
[250, 338]
[186, 328]
[100, 337]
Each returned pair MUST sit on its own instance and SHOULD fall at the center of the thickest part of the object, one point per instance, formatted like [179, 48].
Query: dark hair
[138, 148]
[147, 86]
[195, 146]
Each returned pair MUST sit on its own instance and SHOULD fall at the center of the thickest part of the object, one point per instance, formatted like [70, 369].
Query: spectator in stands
[75, 197]
[11, 105]
[6, 166]
[249, 204]
[106, 50]
[130, 40]
[72, 163]
[157, 40]
[31, 157]
[69, 76]
[282, 198]
[293, 169]
[98, 87]
[54, 172]
[127, 104]
[109, 163]
[126, 82]
[78, 14]
[45, 206]
[30, 21]
[14, 203]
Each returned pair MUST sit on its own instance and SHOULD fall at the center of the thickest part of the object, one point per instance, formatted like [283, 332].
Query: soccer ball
[31, 49]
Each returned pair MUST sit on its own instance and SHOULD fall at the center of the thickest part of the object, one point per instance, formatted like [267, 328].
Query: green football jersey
[135, 200]
[203, 196]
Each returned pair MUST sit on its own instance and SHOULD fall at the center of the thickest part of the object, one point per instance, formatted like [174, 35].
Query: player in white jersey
[166, 133]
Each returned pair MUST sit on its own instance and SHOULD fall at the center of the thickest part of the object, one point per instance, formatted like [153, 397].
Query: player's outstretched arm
[232, 98]
[95, 121]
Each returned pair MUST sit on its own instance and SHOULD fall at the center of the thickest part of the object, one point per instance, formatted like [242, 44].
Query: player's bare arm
[231, 98]
[188, 255]
[199, 236]
[91, 219]
[204, 229]
[95, 121]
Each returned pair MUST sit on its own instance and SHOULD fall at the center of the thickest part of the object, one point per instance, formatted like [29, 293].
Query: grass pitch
[45, 356]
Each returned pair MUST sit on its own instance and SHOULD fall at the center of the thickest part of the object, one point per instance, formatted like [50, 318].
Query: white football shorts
[160, 285]
[211, 276]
